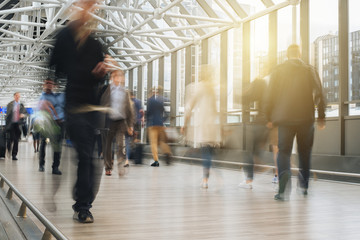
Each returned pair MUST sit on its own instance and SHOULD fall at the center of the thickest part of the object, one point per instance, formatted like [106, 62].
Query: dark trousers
[81, 131]
[117, 130]
[305, 137]
[259, 136]
[57, 147]
[14, 136]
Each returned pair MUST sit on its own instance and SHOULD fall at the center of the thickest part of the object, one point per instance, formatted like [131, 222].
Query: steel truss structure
[134, 32]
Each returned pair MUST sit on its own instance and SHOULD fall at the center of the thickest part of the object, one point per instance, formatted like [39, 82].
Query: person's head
[118, 77]
[206, 73]
[48, 85]
[88, 6]
[159, 90]
[293, 51]
[17, 96]
[132, 95]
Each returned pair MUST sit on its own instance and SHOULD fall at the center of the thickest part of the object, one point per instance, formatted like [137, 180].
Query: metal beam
[173, 88]
[207, 9]
[161, 71]
[304, 30]
[245, 76]
[223, 78]
[149, 79]
[237, 8]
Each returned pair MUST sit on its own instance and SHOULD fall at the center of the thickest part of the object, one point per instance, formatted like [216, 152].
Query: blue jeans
[305, 137]
[206, 155]
[259, 136]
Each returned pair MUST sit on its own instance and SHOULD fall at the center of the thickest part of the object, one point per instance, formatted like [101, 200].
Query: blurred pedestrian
[80, 57]
[255, 94]
[130, 140]
[53, 104]
[155, 119]
[120, 120]
[294, 91]
[204, 132]
[15, 114]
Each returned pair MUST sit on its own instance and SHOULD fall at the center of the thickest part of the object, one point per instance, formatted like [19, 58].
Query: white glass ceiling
[134, 32]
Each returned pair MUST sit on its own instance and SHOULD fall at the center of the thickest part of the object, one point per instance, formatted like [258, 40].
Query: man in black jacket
[294, 90]
[14, 113]
[80, 57]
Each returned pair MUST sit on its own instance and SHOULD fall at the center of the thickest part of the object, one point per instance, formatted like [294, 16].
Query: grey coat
[105, 101]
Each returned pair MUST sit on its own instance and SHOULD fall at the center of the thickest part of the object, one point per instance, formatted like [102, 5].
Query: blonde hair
[206, 72]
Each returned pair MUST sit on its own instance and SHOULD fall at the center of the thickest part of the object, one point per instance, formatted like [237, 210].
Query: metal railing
[333, 173]
[50, 230]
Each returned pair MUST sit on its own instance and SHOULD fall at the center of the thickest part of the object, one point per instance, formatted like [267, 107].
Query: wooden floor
[167, 203]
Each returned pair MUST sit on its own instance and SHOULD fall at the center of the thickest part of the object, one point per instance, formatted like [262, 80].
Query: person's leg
[286, 137]
[82, 136]
[153, 137]
[42, 154]
[305, 139]
[163, 145]
[128, 145]
[57, 147]
[34, 141]
[120, 141]
[108, 160]
[206, 155]
[17, 135]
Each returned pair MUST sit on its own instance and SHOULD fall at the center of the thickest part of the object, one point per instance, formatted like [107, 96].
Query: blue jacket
[155, 113]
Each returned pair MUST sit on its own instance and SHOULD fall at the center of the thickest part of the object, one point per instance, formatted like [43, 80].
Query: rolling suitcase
[138, 153]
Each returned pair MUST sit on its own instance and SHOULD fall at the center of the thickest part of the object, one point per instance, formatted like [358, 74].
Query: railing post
[2, 181]
[47, 235]
[22, 210]
[9, 194]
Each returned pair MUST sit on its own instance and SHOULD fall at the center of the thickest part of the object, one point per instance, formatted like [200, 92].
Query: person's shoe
[108, 172]
[14, 158]
[204, 185]
[275, 179]
[83, 216]
[280, 197]
[41, 169]
[56, 171]
[246, 185]
[155, 164]
[302, 191]
[168, 159]
[126, 165]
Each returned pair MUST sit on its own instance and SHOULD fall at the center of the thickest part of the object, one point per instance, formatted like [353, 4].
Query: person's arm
[319, 99]
[23, 112]
[269, 98]
[8, 114]
[130, 114]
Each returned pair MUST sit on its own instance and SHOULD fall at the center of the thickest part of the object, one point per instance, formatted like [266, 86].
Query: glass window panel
[127, 79]
[259, 47]
[155, 80]
[135, 80]
[234, 75]
[214, 60]
[167, 76]
[251, 6]
[354, 57]
[180, 96]
[324, 50]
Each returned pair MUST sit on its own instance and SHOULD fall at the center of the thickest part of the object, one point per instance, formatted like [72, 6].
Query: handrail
[50, 228]
[343, 174]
